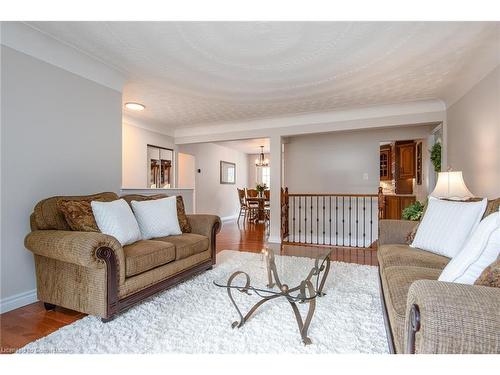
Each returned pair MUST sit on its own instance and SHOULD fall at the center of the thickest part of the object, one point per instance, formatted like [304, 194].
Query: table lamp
[451, 185]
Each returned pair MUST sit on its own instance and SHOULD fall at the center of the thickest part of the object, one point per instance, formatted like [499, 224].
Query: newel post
[381, 204]
[284, 213]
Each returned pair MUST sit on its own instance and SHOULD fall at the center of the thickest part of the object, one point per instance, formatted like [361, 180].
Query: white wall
[474, 136]
[187, 168]
[210, 195]
[135, 158]
[339, 162]
[61, 135]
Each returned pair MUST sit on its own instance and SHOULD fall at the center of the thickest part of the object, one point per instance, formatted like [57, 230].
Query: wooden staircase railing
[331, 219]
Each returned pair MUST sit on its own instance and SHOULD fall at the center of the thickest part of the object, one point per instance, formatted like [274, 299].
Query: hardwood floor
[21, 326]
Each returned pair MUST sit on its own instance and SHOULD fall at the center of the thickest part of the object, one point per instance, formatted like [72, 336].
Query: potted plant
[413, 212]
[260, 189]
[436, 156]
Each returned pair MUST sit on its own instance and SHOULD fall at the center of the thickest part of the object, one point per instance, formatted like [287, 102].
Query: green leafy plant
[436, 156]
[261, 187]
[413, 211]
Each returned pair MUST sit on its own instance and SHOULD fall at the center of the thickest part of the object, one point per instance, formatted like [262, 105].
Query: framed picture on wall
[227, 172]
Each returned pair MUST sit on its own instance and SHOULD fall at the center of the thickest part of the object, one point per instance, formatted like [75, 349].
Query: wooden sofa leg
[107, 320]
[49, 306]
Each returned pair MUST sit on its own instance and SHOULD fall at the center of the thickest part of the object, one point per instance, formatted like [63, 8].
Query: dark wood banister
[285, 204]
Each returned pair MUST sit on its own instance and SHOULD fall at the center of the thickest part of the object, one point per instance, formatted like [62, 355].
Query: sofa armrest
[444, 317]
[394, 231]
[206, 225]
[203, 224]
[86, 249]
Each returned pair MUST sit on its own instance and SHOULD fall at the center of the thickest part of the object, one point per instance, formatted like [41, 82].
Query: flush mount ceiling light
[135, 106]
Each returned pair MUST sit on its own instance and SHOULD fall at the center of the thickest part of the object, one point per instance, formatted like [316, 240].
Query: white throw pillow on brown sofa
[157, 218]
[116, 219]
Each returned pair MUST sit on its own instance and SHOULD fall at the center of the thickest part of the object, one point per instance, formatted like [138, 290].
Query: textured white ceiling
[192, 73]
[248, 146]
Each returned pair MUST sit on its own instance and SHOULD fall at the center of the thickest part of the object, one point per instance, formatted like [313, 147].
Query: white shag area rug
[196, 317]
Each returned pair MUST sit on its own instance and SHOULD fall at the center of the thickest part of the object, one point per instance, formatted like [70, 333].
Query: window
[266, 175]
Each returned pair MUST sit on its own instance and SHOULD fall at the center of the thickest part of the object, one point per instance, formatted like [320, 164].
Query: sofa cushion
[404, 255]
[186, 244]
[396, 282]
[144, 255]
[46, 214]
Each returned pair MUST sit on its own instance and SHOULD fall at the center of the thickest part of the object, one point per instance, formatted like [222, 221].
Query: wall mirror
[160, 164]
[227, 172]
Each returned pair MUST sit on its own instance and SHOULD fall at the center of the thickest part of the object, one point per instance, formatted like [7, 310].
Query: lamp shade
[451, 185]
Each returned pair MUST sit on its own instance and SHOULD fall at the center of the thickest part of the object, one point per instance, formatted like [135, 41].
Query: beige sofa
[424, 315]
[92, 273]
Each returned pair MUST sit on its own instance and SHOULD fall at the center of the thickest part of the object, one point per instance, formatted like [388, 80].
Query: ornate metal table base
[307, 293]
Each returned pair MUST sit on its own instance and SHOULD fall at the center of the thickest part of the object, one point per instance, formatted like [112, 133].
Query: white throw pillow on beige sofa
[480, 250]
[447, 225]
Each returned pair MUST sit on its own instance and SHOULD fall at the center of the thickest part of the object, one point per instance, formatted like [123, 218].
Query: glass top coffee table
[298, 279]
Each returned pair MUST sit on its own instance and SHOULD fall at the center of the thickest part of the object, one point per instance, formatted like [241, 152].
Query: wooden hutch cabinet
[385, 163]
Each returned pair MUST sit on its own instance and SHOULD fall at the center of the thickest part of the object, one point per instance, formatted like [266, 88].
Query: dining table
[259, 214]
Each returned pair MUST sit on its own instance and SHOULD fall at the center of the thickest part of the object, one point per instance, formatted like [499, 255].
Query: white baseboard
[276, 239]
[18, 300]
[228, 218]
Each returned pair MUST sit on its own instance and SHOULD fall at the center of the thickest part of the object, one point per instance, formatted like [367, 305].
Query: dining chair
[252, 193]
[267, 195]
[243, 205]
[267, 216]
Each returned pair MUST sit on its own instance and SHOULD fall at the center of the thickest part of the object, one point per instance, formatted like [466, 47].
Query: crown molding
[147, 125]
[316, 122]
[30, 41]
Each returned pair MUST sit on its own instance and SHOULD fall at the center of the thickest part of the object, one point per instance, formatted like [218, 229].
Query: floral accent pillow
[182, 217]
[78, 214]
[411, 236]
[490, 276]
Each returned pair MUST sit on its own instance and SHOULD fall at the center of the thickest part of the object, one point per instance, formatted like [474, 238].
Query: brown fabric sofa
[92, 273]
[424, 315]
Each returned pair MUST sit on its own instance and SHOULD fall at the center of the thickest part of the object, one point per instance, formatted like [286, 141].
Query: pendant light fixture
[261, 161]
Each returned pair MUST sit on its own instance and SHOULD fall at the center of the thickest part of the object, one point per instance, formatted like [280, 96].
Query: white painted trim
[359, 124]
[225, 219]
[17, 300]
[274, 239]
[308, 119]
[26, 39]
